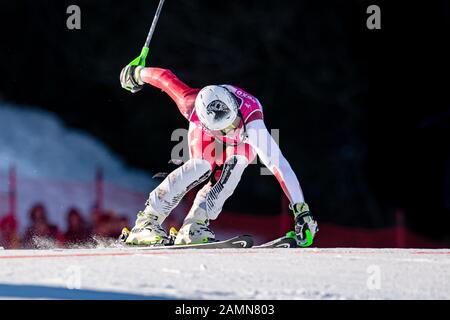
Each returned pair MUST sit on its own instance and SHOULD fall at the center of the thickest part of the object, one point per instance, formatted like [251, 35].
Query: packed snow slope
[128, 273]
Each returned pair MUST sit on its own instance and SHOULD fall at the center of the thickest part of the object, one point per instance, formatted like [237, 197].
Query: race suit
[250, 139]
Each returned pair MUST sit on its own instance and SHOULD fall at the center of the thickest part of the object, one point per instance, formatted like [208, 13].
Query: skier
[233, 117]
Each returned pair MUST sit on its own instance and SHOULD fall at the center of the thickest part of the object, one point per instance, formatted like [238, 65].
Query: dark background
[364, 115]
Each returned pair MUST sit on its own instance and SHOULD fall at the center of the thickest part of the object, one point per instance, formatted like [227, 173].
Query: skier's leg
[209, 202]
[164, 198]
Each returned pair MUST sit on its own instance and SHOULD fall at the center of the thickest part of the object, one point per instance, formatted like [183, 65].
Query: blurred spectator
[104, 225]
[96, 215]
[123, 222]
[109, 224]
[77, 231]
[9, 238]
[120, 223]
[41, 233]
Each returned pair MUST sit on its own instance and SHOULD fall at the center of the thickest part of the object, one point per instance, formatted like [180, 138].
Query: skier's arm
[183, 95]
[270, 154]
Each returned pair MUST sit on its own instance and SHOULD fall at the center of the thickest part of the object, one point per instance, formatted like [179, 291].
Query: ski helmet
[216, 108]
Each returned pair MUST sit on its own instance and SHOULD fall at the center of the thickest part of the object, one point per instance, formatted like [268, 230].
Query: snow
[133, 273]
[56, 165]
[41, 146]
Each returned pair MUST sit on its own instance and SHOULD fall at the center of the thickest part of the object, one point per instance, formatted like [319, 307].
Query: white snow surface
[134, 273]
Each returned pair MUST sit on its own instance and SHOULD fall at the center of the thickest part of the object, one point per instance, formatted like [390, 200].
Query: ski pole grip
[144, 52]
[143, 56]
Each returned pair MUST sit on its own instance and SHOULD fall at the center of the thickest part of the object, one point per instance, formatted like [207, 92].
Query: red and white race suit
[250, 139]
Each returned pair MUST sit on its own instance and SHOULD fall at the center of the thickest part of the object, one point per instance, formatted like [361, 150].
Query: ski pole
[140, 61]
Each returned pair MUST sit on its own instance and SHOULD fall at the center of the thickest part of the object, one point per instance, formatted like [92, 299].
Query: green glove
[305, 226]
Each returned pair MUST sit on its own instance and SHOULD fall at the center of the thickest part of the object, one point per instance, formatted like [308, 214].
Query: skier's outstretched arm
[270, 154]
[183, 95]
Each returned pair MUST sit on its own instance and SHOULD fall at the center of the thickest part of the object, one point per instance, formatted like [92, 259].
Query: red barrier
[12, 198]
[8, 193]
[59, 196]
[99, 190]
[265, 228]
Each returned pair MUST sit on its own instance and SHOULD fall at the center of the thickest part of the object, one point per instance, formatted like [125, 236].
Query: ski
[287, 241]
[243, 241]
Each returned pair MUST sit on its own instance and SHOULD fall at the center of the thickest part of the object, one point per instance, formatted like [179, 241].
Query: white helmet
[216, 107]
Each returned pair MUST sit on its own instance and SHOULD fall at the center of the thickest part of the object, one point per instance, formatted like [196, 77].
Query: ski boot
[147, 231]
[305, 226]
[194, 232]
